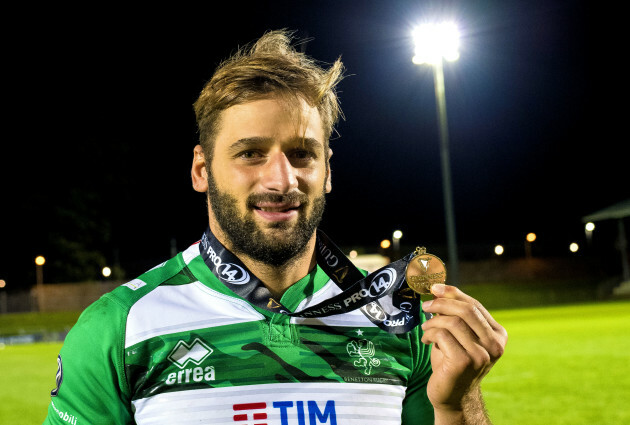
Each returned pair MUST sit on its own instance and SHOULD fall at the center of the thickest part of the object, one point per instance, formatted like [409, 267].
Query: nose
[278, 175]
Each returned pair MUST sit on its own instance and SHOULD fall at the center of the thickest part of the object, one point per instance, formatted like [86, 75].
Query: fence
[55, 297]
[490, 278]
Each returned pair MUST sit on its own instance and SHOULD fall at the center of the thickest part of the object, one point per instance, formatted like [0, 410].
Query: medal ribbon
[383, 296]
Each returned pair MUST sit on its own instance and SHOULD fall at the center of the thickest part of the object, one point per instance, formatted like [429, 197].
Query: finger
[441, 290]
[467, 323]
[456, 326]
[473, 356]
[468, 338]
[443, 340]
[469, 313]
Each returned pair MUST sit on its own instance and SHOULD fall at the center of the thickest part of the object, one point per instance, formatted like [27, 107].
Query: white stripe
[353, 319]
[179, 308]
[191, 252]
[341, 403]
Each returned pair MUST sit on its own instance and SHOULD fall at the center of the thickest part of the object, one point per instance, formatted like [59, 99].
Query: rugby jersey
[176, 346]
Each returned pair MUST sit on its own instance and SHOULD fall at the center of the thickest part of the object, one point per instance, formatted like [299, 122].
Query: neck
[279, 278]
[276, 278]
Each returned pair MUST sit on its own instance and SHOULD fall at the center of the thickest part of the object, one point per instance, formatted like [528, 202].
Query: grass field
[563, 365]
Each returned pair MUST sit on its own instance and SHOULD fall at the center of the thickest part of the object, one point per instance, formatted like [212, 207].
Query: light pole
[39, 273]
[588, 231]
[3, 297]
[529, 239]
[106, 272]
[433, 44]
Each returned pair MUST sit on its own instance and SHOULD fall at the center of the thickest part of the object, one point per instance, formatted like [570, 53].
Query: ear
[198, 171]
[328, 177]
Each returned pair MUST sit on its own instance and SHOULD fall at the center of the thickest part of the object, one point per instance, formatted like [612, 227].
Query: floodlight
[435, 42]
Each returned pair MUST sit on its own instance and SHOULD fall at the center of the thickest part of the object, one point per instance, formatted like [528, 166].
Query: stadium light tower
[435, 43]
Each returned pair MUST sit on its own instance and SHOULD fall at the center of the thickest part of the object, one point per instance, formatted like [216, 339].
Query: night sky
[98, 140]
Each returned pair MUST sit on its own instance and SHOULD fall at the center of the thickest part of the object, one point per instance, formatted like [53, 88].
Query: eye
[303, 154]
[249, 155]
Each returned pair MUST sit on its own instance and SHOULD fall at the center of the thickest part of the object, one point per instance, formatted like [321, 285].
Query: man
[263, 321]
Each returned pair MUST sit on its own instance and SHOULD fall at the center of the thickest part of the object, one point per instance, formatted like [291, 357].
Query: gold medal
[424, 270]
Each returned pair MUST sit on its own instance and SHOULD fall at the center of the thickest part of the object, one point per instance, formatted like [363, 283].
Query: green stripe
[241, 356]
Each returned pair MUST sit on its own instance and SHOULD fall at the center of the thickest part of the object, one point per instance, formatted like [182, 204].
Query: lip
[272, 211]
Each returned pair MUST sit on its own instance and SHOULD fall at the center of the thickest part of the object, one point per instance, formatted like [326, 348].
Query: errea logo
[183, 354]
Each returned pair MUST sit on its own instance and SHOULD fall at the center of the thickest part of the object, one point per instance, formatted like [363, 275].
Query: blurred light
[531, 237]
[397, 234]
[353, 254]
[3, 283]
[589, 226]
[40, 260]
[107, 272]
[574, 247]
[434, 42]
[498, 250]
[385, 243]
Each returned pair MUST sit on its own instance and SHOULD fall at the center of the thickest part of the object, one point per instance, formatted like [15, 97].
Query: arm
[467, 342]
[90, 380]
[472, 411]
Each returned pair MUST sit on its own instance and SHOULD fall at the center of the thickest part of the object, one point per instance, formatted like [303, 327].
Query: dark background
[99, 128]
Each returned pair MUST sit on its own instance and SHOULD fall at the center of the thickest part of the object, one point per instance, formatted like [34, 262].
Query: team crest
[363, 350]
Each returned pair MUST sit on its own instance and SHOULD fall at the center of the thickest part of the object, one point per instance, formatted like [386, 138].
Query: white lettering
[379, 285]
[399, 322]
[330, 258]
[231, 274]
[188, 375]
[209, 376]
[197, 374]
[234, 274]
[405, 306]
[382, 281]
[64, 416]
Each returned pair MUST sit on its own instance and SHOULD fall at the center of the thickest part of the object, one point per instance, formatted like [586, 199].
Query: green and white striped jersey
[176, 346]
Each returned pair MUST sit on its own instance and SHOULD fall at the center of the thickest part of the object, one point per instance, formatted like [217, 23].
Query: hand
[467, 342]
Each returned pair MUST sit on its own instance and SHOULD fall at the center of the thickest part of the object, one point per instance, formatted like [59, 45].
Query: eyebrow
[250, 142]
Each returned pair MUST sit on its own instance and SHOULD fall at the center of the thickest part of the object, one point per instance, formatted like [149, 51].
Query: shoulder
[106, 318]
[127, 294]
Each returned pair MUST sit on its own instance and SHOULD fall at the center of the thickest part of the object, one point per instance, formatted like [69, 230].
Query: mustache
[282, 198]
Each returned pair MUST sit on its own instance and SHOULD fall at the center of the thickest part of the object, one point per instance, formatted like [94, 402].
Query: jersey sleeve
[91, 386]
[417, 409]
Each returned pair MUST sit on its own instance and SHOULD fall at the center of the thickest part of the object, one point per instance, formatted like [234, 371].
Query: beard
[283, 243]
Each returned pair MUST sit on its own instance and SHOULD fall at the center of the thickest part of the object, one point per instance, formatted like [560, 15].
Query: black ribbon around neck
[383, 295]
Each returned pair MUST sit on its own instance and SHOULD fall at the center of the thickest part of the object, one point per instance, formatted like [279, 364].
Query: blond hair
[270, 66]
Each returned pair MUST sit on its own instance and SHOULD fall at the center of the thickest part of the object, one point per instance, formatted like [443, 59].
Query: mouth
[274, 211]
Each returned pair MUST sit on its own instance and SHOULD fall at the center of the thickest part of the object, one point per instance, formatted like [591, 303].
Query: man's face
[268, 179]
